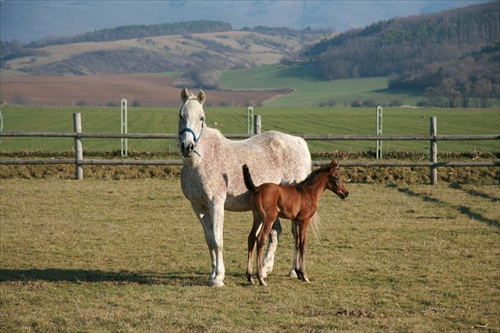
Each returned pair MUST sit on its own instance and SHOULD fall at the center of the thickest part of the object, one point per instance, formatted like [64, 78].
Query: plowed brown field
[147, 90]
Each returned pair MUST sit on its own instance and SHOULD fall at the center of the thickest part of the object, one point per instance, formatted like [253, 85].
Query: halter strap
[196, 139]
[187, 129]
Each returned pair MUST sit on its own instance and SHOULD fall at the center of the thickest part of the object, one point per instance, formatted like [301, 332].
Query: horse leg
[252, 236]
[272, 244]
[206, 222]
[261, 240]
[301, 248]
[217, 217]
[293, 273]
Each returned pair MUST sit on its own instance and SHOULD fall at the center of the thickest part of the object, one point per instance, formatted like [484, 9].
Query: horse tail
[248, 180]
[315, 225]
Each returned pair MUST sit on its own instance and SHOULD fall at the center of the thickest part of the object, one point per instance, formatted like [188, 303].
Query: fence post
[124, 127]
[257, 124]
[250, 120]
[379, 132]
[77, 124]
[433, 152]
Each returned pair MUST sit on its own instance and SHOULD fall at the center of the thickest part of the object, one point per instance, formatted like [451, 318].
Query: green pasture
[130, 256]
[311, 90]
[294, 120]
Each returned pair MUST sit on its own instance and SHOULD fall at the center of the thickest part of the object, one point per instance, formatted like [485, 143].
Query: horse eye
[181, 117]
[202, 119]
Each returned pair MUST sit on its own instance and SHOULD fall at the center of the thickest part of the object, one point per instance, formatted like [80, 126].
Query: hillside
[149, 49]
[454, 55]
[402, 44]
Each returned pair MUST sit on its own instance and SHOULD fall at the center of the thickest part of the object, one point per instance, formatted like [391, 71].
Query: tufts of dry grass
[129, 256]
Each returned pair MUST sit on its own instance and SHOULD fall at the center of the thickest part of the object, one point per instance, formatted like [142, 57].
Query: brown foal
[297, 202]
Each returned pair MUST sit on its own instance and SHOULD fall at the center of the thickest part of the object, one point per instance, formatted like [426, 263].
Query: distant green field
[311, 91]
[296, 120]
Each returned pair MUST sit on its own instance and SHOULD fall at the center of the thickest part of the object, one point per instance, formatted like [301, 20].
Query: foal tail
[248, 180]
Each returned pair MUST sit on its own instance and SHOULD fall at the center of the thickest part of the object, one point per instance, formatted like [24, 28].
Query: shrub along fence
[79, 161]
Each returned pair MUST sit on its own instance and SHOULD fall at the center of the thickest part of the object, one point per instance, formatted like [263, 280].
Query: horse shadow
[474, 193]
[467, 211]
[78, 276]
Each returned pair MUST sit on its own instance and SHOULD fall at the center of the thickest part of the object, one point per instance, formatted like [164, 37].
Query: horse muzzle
[187, 149]
[343, 195]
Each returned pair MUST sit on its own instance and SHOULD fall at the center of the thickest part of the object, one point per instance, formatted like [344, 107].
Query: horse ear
[333, 165]
[184, 95]
[201, 97]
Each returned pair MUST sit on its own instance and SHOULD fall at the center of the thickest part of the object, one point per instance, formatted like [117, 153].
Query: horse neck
[206, 147]
[315, 183]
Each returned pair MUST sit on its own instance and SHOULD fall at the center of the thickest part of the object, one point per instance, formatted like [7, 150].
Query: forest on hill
[453, 55]
[200, 50]
[138, 31]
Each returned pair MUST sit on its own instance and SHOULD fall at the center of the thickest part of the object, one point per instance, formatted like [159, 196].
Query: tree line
[452, 55]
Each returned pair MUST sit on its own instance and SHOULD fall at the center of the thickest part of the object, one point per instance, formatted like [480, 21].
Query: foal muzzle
[343, 195]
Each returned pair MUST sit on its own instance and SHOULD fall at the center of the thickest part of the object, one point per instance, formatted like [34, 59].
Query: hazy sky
[29, 20]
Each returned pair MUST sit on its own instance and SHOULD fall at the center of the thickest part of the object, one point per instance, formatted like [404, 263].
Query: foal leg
[293, 273]
[300, 265]
[272, 244]
[261, 240]
[257, 224]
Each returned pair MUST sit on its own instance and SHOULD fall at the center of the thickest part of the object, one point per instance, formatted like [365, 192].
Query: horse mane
[310, 179]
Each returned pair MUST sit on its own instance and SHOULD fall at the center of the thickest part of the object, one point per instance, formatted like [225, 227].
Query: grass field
[129, 256]
[311, 90]
[295, 120]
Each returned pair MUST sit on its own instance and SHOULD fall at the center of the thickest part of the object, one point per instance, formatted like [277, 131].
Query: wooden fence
[79, 161]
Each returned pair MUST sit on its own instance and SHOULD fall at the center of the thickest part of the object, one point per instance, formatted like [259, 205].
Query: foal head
[191, 121]
[334, 181]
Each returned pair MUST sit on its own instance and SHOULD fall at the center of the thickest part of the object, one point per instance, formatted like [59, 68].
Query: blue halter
[187, 129]
[196, 139]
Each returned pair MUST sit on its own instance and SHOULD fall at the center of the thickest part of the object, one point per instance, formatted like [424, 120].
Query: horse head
[334, 182]
[191, 121]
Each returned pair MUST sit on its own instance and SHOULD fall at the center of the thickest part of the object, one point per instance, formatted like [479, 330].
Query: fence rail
[334, 137]
[79, 161]
[180, 162]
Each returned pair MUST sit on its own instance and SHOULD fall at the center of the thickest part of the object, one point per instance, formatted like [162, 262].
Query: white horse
[212, 180]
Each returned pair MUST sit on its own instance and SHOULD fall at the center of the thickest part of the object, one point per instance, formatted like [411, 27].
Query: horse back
[278, 157]
[271, 157]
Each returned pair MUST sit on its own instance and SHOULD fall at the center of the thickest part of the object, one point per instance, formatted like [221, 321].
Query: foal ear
[201, 97]
[184, 95]
[333, 166]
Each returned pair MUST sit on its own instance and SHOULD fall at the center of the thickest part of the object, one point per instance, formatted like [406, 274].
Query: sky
[31, 20]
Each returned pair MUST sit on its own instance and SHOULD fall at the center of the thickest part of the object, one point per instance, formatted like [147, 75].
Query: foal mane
[312, 176]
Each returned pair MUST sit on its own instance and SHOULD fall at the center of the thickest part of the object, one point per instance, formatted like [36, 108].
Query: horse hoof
[292, 273]
[217, 283]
